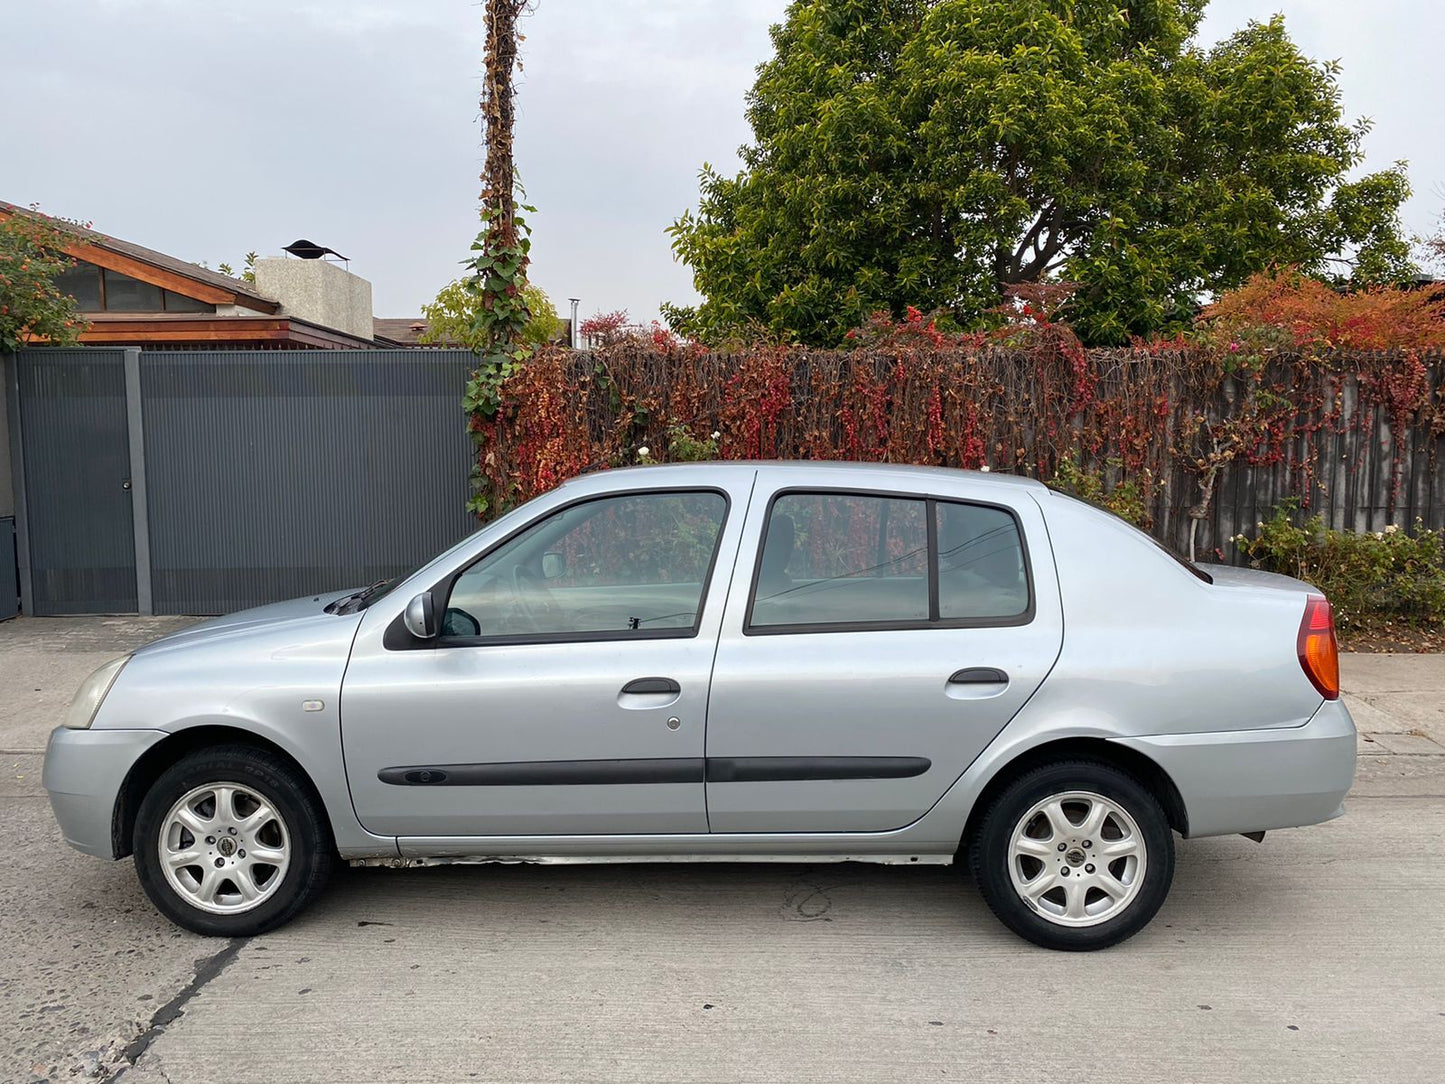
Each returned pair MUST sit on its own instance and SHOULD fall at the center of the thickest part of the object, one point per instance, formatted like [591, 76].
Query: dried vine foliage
[499, 112]
[1170, 421]
[494, 294]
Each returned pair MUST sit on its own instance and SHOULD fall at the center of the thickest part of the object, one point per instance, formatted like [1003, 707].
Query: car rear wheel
[1075, 855]
[230, 842]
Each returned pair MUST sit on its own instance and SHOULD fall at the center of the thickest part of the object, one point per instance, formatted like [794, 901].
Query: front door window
[628, 567]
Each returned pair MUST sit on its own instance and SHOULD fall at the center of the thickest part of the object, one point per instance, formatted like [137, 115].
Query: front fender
[279, 681]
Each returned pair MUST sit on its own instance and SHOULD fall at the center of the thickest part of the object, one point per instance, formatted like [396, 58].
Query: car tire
[231, 841]
[1074, 855]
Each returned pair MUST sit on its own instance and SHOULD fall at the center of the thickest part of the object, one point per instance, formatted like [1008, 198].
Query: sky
[209, 129]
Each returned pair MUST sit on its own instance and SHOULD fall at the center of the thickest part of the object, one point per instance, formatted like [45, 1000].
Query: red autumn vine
[1161, 426]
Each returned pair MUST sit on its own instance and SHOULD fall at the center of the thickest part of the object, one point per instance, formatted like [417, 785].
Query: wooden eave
[169, 329]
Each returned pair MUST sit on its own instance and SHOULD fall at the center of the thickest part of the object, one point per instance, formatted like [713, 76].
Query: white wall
[323, 293]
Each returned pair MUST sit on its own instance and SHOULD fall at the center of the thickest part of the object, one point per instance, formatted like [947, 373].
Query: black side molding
[547, 773]
[804, 769]
[552, 773]
[424, 777]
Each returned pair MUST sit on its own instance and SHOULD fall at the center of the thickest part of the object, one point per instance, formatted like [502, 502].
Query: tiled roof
[406, 330]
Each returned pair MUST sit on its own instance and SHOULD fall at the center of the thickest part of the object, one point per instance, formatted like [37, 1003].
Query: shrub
[1311, 314]
[684, 447]
[1127, 499]
[32, 307]
[603, 328]
[1386, 574]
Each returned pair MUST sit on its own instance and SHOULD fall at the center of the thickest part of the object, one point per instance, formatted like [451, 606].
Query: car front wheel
[1074, 855]
[229, 842]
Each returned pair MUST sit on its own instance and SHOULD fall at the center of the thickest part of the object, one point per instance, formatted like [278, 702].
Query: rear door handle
[979, 675]
[652, 686]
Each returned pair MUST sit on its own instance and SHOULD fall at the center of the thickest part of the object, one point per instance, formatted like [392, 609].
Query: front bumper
[84, 771]
[1257, 780]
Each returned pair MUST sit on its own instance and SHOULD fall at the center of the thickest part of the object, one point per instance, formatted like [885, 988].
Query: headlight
[88, 699]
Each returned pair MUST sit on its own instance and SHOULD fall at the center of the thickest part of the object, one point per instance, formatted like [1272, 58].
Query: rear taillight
[1319, 654]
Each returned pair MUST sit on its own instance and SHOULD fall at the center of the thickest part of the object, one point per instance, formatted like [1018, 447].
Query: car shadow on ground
[1219, 885]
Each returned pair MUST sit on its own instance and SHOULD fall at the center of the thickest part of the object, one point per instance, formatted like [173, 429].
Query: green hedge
[1393, 573]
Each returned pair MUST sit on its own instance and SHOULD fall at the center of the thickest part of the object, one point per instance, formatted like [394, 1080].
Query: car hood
[277, 615]
[246, 670]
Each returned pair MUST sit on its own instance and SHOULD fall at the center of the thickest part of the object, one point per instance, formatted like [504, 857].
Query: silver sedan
[739, 661]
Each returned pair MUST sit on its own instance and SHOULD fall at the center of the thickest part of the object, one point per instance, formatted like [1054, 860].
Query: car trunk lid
[1257, 579]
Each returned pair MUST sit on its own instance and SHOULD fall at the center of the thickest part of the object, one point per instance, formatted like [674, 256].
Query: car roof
[897, 473]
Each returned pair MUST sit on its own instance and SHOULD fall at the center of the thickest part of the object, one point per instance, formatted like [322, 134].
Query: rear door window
[837, 561]
[843, 559]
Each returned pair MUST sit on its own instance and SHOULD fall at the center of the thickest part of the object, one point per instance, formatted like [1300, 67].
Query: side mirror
[554, 565]
[421, 618]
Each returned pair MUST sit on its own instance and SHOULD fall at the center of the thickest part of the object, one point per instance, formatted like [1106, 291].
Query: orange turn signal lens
[1319, 652]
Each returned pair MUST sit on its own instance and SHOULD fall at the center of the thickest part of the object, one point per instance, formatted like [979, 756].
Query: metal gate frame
[10, 370]
[139, 514]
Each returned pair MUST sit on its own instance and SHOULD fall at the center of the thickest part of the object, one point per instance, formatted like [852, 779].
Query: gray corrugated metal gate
[9, 583]
[75, 471]
[204, 482]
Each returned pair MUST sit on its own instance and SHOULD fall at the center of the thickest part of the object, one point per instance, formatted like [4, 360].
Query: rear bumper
[1256, 780]
[84, 770]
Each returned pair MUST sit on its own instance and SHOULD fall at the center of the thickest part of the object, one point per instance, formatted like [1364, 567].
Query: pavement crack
[173, 1009]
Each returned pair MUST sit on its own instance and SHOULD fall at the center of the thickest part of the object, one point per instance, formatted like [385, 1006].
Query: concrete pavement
[1398, 701]
[1317, 955]
[83, 957]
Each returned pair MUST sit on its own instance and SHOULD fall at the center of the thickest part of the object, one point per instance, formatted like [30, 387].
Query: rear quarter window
[982, 573]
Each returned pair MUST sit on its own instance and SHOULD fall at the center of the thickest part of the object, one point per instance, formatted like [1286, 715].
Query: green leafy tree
[452, 317]
[935, 152]
[32, 254]
[1433, 248]
[248, 271]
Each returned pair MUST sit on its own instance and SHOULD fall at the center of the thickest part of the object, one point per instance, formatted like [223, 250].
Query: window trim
[397, 638]
[934, 621]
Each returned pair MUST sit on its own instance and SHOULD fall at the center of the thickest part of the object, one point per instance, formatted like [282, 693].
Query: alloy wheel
[224, 848]
[1077, 858]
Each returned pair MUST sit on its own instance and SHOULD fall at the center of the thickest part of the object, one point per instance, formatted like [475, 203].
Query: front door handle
[979, 675]
[649, 694]
[652, 686]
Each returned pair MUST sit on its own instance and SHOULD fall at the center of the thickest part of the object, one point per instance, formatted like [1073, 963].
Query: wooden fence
[1354, 437]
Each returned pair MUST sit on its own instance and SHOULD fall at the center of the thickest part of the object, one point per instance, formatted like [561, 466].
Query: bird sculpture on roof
[310, 250]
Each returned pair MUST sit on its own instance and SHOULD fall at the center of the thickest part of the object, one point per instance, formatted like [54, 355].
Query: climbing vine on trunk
[500, 254]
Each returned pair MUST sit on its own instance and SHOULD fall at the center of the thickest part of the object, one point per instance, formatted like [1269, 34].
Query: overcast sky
[207, 129]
